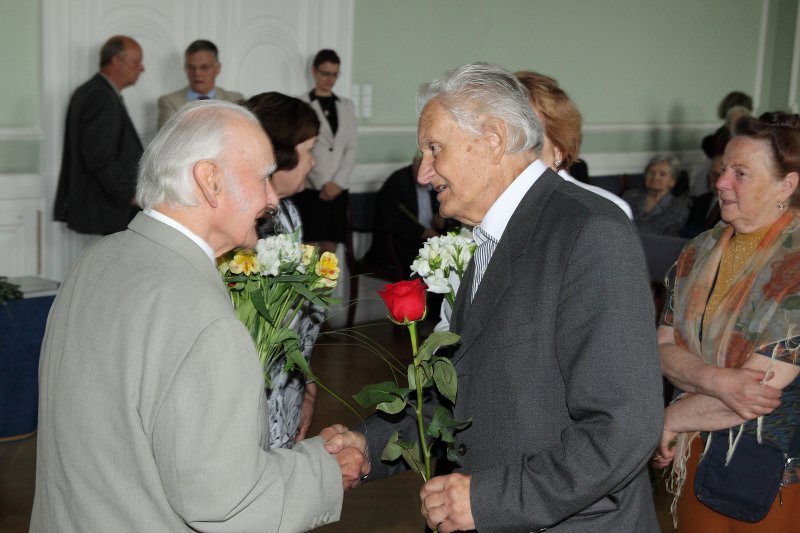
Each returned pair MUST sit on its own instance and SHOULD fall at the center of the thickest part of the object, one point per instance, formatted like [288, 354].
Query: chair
[660, 252]
[360, 217]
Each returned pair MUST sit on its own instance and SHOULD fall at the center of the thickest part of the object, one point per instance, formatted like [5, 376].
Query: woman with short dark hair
[292, 127]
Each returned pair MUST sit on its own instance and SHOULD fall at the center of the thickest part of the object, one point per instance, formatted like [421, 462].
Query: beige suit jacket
[169, 104]
[152, 412]
[335, 155]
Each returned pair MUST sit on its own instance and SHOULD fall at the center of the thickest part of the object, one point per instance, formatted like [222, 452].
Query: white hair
[477, 91]
[196, 132]
[673, 162]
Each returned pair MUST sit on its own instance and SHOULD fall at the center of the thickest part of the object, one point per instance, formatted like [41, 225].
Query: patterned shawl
[759, 312]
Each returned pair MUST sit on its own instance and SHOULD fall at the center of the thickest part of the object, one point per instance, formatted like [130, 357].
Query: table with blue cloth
[22, 324]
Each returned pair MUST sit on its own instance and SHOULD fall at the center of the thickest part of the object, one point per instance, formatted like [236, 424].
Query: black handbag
[747, 486]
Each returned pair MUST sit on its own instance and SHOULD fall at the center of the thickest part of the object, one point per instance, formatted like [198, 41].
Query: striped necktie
[483, 254]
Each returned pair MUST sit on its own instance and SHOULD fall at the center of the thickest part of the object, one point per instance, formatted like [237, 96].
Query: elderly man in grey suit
[202, 66]
[152, 412]
[557, 363]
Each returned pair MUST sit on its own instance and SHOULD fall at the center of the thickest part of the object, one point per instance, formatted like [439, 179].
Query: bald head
[121, 61]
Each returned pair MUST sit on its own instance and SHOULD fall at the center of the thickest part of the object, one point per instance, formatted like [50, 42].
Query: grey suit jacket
[335, 155]
[558, 369]
[169, 104]
[152, 410]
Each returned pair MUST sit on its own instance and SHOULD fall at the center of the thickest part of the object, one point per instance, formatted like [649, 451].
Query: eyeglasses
[199, 68]
[326, 74]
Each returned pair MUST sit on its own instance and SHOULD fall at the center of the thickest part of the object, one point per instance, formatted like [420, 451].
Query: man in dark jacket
[406, 215]
[101, 147]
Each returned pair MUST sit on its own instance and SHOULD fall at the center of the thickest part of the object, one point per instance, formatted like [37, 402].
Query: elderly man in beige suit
[202, 66]
[152, 412]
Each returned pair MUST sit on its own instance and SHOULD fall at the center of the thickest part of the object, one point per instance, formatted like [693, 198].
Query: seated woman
[729, 334]
[655, 209]
[292, 127]
[562, 130]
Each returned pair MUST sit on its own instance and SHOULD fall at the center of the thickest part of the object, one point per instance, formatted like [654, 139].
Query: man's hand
[350, 450]
[330, 191]
[740, 389]
[665, 452]
[445, 503]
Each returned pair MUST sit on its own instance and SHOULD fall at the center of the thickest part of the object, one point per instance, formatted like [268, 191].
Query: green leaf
[412, 378]
[439, 416]
[412, 457]
[452, 455]
[295, 358]
[377, 393]
[444, 374]
[396, 448]
[393, 450]
[792, 302]
[257, 298]
[435, 341]
[393, 407]
[443, 427]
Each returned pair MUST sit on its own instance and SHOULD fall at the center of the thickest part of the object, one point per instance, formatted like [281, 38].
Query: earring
[781, 205]
[557, 163]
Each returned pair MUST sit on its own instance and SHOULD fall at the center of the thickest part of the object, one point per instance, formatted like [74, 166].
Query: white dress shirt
[171, 222]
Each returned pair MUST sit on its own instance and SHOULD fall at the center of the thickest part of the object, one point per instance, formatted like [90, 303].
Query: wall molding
[368, 177]
[18, 186]
[794, 99]
[401, 129]
[20, 134]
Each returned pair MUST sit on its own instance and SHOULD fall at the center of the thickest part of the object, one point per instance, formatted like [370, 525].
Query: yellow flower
[244, 261]
[328, 266]
[308, 254]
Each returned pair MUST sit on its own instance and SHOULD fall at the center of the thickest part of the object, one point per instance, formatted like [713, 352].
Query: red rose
[405, 300]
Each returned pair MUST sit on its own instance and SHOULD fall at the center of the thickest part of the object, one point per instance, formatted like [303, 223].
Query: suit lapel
[470, 319]
[325, 131]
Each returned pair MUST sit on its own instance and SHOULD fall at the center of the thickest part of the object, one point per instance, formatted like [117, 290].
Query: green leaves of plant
[442, 426]
[386, 396]
[408, 450]
[435, 341]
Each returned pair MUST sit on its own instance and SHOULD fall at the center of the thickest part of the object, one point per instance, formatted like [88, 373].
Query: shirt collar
[496, 219]
[171, 222]
[116, 90]
[191, 95]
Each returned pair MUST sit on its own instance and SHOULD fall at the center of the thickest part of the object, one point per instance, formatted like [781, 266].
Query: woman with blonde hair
[562, 129]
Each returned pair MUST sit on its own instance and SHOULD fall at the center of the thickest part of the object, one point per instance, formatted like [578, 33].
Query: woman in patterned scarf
[730, 332]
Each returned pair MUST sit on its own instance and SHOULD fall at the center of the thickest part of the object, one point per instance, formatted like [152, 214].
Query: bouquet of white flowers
[270, 285]
[443, 260]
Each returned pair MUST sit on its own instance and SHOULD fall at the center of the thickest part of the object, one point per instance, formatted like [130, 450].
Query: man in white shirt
[557, 364]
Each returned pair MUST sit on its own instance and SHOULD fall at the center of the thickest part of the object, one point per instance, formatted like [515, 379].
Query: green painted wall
[19, 50]
[780, 44]
[19, 56]
[621, 61]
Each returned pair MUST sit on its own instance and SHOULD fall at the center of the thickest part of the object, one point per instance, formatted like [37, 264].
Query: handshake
[349, 448]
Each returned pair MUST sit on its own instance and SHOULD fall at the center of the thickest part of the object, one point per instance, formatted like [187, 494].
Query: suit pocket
[601, 506]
